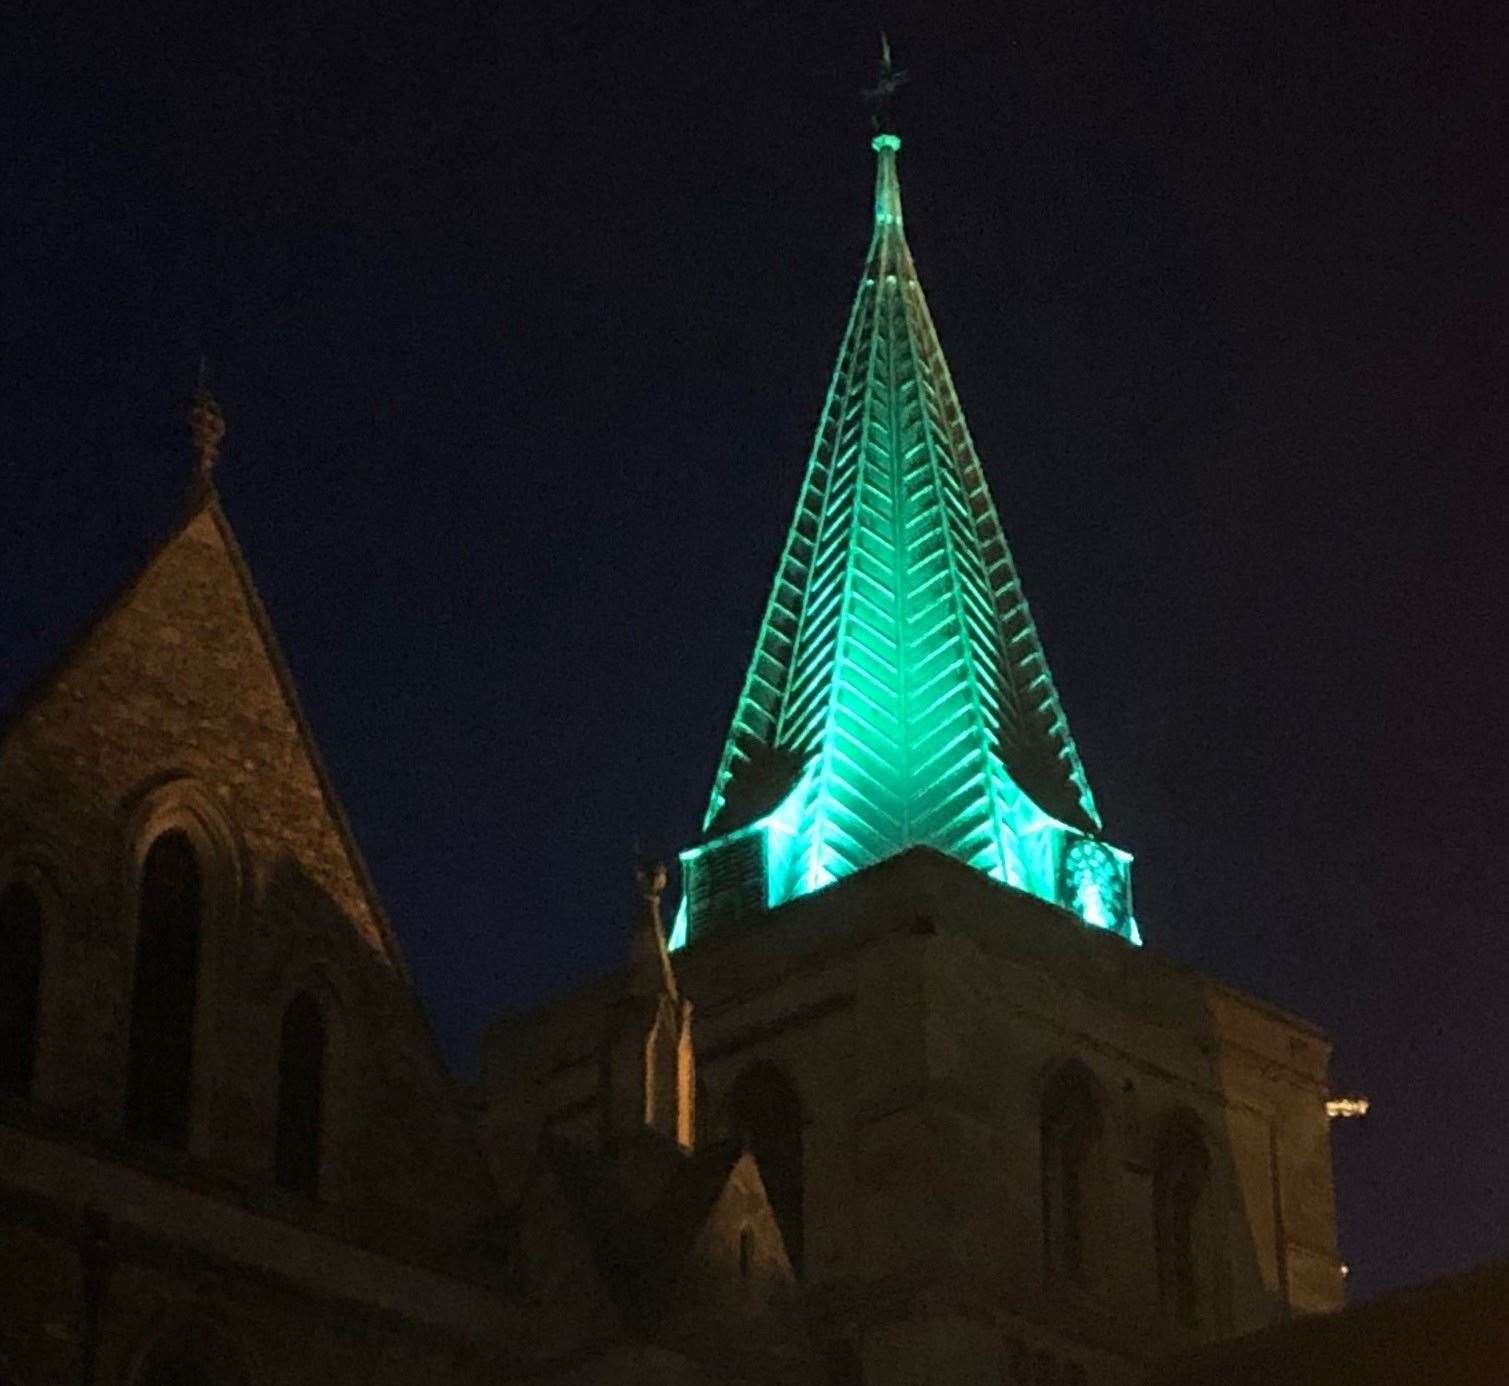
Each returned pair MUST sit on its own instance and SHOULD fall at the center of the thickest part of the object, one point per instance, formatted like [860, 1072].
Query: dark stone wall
[175, 711]
[920, 1012]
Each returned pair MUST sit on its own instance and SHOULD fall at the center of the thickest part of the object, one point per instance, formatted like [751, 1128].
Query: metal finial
[879, 97]
[207, 428]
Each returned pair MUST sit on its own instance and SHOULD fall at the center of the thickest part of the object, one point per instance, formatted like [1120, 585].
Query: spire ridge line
[898, 695]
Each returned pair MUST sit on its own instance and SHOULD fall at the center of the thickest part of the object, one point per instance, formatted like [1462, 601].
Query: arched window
[1070, 1124]
[161, 1060]
[20, 984]
[301, 1095]
[765, 1112]
[1179, 1178]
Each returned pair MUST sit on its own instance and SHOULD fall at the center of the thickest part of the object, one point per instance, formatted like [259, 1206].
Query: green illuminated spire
[898, 694]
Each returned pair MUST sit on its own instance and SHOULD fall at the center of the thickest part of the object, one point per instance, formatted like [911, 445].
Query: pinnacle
[649, 970]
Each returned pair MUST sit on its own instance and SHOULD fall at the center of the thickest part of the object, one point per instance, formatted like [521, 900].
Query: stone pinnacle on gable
[207, 428]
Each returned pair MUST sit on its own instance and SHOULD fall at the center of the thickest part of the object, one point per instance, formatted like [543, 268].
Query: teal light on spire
[898, 694]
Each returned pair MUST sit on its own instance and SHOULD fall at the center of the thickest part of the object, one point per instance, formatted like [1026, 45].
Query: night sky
[521, 321]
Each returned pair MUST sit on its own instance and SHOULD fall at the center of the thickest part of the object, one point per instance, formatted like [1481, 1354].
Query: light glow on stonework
[898, 694]
[1091, 906]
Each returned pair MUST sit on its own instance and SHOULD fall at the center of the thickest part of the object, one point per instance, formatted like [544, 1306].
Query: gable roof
[204, 517]
[331, 799]
[640, 1237]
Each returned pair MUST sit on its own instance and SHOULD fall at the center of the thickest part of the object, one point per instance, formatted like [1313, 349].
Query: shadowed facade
[905, 1102]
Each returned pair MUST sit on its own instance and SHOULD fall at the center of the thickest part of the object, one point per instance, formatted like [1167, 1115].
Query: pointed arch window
[301, 1095]
[164, 991]
[20, 986]
[1070, 1125]
[1180, 1172]
[766, 1113]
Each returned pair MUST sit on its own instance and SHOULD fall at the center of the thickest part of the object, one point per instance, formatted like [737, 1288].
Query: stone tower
[1003, 1141]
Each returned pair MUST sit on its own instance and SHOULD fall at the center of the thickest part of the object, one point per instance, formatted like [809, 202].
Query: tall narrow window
[20, 984]
[1070, 1124]
[1179, 1176]
[301, 1094]
[163, 994]
[766, 1113]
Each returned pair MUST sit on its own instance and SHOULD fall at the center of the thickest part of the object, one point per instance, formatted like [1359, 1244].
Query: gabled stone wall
[175, 712]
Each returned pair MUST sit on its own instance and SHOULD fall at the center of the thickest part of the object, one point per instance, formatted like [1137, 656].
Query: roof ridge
[289, 689]
[204, 499]
[116, 597]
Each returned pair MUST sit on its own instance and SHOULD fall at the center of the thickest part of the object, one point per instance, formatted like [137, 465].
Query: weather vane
[878, 98]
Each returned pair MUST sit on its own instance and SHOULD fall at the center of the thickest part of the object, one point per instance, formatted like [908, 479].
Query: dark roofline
[328, 792]
[275, 657]
[45, 680]
[203, 497]
[1404, 1336]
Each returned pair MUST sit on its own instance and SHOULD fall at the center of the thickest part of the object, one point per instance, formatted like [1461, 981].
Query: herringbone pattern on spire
[898, 694]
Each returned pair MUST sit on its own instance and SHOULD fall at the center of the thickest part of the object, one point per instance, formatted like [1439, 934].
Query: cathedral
[890, 1091]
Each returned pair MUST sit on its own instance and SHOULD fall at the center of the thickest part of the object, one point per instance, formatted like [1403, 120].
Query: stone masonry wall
[174, 710]
[919, 1011]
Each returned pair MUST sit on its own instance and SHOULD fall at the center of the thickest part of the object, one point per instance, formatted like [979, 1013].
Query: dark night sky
[521, 322]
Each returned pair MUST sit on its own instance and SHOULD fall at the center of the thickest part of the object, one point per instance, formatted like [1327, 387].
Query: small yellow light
[1353, 1105]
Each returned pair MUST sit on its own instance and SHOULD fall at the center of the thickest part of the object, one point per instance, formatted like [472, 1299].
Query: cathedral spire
[898, 694]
